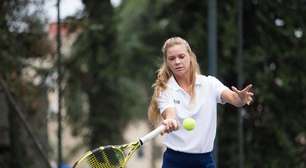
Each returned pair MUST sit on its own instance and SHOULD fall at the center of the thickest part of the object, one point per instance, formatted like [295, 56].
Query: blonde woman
[180, 91]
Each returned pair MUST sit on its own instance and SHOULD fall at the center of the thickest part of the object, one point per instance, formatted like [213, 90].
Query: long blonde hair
[164, 73]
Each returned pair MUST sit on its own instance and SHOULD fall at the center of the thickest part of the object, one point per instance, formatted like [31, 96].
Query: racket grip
[152, 134]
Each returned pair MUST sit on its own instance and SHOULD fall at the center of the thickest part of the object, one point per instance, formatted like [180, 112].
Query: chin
[180, 74]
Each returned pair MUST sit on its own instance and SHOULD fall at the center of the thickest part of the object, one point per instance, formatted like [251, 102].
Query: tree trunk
[4, 132]
[27, 145]
[26, 140]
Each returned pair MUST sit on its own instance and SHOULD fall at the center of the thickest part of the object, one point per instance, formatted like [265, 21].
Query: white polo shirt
[203, 109]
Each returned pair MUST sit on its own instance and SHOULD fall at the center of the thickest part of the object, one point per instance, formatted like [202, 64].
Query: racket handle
[152, 134]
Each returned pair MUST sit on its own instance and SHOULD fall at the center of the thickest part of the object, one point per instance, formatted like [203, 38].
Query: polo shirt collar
[174, 85]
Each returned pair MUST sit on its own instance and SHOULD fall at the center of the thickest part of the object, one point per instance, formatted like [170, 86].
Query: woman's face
[178, 60]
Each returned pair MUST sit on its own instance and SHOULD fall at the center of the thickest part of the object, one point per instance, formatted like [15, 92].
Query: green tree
[275, 44]
[95, 76]
[22, 38]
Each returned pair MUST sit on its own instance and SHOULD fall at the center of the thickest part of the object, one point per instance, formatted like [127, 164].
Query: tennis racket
[114, 156]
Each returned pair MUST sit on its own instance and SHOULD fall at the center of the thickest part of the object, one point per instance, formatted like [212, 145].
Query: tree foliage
[22, 37]
[273, 61]
[95, 76]
[274, 55]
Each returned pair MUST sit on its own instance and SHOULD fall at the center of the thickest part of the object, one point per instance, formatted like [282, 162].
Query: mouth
[179, 68]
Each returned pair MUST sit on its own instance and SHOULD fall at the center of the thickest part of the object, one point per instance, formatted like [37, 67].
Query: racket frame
[132, 146]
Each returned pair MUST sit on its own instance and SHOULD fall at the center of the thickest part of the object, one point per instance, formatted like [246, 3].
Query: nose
[177, 61]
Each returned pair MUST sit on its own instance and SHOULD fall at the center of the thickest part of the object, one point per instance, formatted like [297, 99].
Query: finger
[170, 126]
[169, 123]
[248, 87]
[176, 126]
[250, 100]
[250, 93]
[166, 122]
[235, 89]
[166, 129]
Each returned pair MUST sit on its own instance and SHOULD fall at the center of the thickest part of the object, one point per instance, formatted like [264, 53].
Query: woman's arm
[237, 97]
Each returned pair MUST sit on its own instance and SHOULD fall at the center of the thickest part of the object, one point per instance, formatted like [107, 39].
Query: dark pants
[175, 159]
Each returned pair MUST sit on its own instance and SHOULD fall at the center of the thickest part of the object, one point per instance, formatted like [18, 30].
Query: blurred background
[89, 85]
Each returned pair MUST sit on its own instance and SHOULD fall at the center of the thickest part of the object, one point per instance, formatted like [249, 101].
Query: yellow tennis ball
[189, 124]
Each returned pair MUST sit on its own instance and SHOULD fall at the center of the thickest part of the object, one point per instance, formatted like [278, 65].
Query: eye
[171, 58]
[182, 56]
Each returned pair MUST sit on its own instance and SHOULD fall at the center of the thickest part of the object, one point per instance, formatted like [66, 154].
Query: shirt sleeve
[165, 100]
[218, 88]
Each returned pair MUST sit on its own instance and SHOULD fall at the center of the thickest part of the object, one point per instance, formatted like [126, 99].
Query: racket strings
[95, 163]
[132, 149]
[109, 157]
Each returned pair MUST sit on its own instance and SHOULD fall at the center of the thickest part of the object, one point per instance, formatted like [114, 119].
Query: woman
[180, 91]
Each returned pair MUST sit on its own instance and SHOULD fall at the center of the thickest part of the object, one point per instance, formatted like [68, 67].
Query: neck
[184, 82]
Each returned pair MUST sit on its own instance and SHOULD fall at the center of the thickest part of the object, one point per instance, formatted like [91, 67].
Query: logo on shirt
[176, 101]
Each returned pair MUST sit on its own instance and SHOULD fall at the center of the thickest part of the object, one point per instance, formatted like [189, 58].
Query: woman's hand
[171, 125]
[245, 94]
